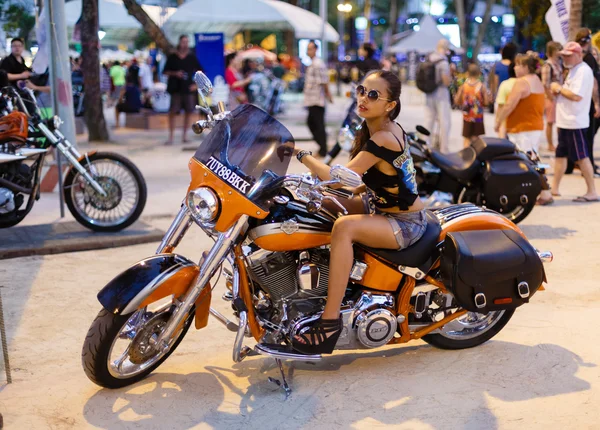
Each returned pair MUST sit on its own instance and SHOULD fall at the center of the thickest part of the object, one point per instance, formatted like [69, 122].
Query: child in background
[472, 97]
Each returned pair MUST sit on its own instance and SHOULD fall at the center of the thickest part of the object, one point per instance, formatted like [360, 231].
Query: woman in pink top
[236, 82]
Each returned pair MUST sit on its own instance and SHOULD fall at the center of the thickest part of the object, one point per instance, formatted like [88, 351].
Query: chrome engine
[288, 275]
[296, 285]
[368, 323]
[7, 201]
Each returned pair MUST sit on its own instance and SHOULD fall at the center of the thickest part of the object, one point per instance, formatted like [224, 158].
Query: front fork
[68, 150]
[208, 266]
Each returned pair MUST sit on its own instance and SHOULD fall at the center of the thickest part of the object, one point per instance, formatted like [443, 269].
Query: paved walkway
[542, 371]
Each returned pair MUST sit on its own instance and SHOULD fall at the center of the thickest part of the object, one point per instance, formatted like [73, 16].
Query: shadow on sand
[389, 387]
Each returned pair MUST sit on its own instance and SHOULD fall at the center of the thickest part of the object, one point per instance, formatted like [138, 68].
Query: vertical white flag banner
[40, 62]
[557, 19]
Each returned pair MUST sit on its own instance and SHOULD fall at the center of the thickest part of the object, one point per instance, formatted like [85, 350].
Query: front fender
[147, 281]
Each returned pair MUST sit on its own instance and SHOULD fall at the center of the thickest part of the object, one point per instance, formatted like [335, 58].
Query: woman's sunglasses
[372, 95]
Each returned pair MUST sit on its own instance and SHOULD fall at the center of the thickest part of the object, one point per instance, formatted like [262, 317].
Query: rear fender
[150, 280]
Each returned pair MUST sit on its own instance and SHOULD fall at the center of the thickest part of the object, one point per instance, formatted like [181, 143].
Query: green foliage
[591, 15]
[18, 20]
[531, 15]
[142, 40]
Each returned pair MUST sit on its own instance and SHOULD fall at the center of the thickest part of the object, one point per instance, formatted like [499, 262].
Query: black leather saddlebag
[508, 180]
[490, 270]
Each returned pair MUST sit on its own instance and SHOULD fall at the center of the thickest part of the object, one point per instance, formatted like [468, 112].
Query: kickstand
[286, 387]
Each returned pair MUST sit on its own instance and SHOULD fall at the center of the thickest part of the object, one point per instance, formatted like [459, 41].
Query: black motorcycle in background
[347, 133]
[492, 172]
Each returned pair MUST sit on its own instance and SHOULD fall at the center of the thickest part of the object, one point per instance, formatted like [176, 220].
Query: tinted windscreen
[249, 150]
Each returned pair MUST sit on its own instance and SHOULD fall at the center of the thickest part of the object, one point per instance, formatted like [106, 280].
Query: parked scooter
[492, 172]
[455, 288]
[104, 191]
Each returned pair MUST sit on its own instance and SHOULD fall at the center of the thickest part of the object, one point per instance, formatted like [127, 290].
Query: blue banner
[210, 49]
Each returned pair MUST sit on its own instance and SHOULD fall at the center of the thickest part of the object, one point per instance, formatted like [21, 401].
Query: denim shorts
[408, 227]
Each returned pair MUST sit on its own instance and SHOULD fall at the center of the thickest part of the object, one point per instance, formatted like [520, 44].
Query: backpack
[427, 76]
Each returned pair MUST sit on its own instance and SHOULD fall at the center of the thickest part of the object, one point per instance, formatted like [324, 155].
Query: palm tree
[149, 26]
[575, 18]
[90, 55]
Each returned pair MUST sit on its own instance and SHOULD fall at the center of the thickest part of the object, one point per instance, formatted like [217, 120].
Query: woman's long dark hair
[394, 89]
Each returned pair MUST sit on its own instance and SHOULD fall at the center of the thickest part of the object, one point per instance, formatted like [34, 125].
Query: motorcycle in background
[455, 288]
[492, 172]
[104, 191]
[347, 132]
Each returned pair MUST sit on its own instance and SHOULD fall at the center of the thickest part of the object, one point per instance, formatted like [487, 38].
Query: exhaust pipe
[545, 256]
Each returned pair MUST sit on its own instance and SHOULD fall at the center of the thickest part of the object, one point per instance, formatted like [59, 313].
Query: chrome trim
[209, 265]
[263, 349]
[180, 219]
[277, 227]
[523, 289]
[545, 256]
[414, 272]
[358, 271]
[480, 305]
[135, 303]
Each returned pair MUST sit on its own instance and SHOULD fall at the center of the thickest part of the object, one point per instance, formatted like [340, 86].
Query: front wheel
[125, 189]
[118, 349]
[470, 330]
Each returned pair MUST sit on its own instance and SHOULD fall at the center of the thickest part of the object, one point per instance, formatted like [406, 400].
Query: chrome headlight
[346, 138]
[203, 204]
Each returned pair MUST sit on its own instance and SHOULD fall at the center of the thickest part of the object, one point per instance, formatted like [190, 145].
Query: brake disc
[141, 349]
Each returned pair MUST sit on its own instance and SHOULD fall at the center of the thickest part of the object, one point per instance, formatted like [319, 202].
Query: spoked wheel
[123, 184]
[520, 212]
[469, 330]
[119, 349]
[516, 214]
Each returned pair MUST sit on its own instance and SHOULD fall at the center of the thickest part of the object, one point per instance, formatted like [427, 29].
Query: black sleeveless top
[404, 180]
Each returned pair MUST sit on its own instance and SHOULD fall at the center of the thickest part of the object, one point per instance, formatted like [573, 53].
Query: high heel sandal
[318, 338]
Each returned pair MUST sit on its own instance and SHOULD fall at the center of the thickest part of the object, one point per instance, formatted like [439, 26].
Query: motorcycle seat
[460, 165]
[487, 148]
[417, 254]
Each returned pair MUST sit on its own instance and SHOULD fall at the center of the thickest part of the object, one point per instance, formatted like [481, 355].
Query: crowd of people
[530, 98]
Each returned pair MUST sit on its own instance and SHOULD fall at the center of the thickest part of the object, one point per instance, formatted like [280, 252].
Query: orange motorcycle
[457, 287]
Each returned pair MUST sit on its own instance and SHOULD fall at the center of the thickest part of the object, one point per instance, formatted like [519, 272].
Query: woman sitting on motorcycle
[397, 218]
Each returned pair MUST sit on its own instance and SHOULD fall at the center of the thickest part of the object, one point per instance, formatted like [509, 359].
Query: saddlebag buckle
[480, 301]
[523, 289]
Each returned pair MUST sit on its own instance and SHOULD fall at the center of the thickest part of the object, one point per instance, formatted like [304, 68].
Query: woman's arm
[359, 164]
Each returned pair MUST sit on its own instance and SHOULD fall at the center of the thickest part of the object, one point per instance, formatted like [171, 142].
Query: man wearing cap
[584, 38]
[572, 120]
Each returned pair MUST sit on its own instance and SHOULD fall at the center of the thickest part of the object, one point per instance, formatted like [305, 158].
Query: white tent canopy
[423, 41]
[120, 27]
[232, 16]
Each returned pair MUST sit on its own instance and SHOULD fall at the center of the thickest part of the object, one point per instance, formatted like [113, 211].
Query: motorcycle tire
[443, 342]
[93, 224]
[6, 222]
[97, 347]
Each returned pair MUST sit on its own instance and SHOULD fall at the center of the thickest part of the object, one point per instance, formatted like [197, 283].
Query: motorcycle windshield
[250, 151]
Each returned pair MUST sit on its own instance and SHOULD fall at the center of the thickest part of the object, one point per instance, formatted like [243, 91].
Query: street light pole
[323, 13]
[343, 10]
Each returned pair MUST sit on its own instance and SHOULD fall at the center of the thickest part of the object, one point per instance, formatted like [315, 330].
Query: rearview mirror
[204, 85]
[347, 177]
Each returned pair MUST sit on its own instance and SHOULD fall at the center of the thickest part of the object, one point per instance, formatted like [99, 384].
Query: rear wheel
[470, 330]
[118, 349]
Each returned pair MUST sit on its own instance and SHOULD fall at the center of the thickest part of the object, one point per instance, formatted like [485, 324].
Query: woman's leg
[370, 230]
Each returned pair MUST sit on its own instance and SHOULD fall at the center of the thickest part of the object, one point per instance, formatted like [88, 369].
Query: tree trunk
[368, 16]
[462, 24]
[90, 55]
[394, 17]
[575, 18]
[483, 27]
[152, 30]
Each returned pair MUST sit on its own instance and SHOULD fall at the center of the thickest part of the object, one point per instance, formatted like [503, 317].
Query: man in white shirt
[572, 120]
[437, 106]
[316, 90]
[146, 78]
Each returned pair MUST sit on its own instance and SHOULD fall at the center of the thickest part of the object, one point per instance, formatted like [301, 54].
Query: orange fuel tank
[13, 127]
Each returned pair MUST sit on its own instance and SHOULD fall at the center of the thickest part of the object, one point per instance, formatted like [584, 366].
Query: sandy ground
[541, 371]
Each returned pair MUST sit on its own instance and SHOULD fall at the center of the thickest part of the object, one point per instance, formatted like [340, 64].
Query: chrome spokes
[470, 325]
[122, 193]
